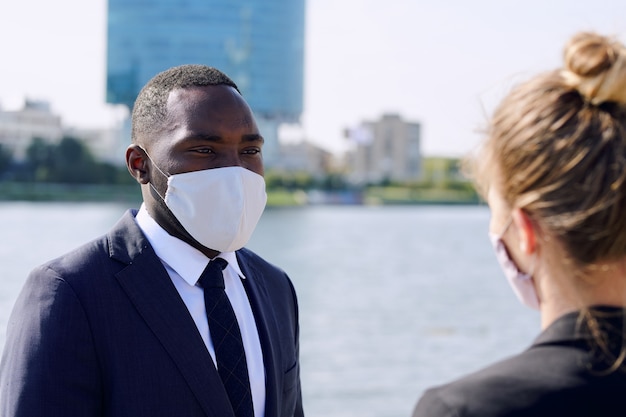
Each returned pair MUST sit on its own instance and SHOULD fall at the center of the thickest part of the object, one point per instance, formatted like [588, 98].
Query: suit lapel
[151, 290]
[268, 331]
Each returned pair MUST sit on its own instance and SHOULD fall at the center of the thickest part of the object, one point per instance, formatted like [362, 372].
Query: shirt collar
[187, 261]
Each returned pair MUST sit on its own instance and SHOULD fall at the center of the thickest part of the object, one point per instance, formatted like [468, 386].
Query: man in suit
[118, 327]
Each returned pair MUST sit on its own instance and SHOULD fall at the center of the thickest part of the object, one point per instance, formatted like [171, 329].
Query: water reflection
[392, 299]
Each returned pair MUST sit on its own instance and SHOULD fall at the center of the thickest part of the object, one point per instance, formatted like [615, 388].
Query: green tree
[39, 160]
[73, 163]
[69, 161]
[6, 157]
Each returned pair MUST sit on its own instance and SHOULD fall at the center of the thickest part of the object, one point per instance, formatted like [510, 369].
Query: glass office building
[258, 43]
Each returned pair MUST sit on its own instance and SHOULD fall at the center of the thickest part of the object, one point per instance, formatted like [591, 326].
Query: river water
[393, 299]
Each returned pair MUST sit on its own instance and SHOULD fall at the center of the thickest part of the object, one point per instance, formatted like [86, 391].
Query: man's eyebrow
[252, 137]
[210, 138]
[255, 137]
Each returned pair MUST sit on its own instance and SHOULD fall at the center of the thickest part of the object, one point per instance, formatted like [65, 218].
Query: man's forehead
[203, 92]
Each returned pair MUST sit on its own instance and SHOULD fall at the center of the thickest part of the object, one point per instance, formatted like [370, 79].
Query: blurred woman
[553, 171]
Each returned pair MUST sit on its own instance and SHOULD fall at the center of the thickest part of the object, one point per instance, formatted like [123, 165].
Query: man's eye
[204, 150]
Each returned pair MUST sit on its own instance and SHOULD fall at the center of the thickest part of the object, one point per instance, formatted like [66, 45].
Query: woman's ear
[526, 230]
[136, 162]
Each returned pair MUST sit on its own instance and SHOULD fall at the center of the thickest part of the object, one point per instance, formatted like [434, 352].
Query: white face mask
[218, 207]
[522, 284]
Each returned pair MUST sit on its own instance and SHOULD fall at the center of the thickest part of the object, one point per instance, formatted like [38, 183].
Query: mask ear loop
[158, 169]
[506, 227]
[157, 192]
[533, 263]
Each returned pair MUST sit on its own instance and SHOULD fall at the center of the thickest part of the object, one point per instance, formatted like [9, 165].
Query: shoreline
[35, 192]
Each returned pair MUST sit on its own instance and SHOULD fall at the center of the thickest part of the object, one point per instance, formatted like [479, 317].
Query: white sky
[443, 63]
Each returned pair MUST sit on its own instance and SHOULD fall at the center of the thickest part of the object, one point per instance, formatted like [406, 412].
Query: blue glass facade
[258, 43]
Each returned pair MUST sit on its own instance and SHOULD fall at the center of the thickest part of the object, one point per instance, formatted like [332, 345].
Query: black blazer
[559, 375]
[102, 331]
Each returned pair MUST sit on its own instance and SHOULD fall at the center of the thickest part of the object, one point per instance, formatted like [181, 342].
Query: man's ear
[137, 164]
[527, 231]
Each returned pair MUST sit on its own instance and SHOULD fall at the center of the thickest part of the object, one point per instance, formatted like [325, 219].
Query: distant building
[258, 43]
[18, 128]
[102, 143]
[34, 120]
[387, 149]
[303, 157]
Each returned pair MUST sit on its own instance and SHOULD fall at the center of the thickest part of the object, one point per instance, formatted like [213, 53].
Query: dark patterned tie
[226, 337]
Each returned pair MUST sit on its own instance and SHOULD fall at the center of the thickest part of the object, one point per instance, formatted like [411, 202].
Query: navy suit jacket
[563, 373]
[102, 331]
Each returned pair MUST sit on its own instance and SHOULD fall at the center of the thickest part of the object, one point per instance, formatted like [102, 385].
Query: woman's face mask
[522, 283]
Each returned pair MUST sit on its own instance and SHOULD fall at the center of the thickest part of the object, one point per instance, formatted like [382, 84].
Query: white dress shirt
[185, 264]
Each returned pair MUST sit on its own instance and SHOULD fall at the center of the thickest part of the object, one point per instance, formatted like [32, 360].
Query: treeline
[66, 162]
[71, 162]
[292, 181]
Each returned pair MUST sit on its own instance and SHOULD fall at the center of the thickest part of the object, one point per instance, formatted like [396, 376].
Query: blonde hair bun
[595, 65]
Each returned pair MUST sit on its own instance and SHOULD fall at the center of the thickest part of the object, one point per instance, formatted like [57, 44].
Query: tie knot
[212, 276]
[219, 262]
